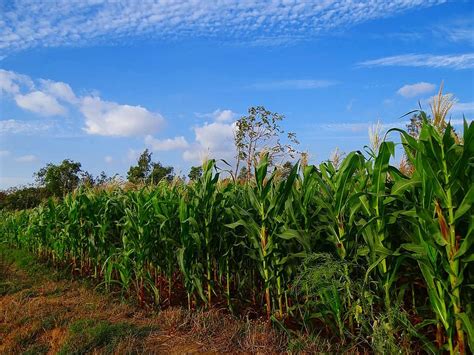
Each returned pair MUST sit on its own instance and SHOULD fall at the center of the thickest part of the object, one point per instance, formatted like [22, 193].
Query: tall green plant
[441, 193]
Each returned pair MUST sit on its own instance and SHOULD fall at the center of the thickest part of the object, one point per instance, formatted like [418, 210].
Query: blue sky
[99, 82]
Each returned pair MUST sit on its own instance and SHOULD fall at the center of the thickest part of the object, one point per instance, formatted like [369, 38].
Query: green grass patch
[28, 262]
[10, 287]
[88, 334]
[22, 259]
[37, 349]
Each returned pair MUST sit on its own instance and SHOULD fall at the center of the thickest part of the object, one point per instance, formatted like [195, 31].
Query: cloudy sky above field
[99, 82]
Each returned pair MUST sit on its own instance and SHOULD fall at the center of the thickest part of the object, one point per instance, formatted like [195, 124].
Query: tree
[260, 131]
[147, 171]
[60, 179]
[160, 172]
[87, 179]
[139, 173]
[22, 198]
[195, 173]
[103, 179]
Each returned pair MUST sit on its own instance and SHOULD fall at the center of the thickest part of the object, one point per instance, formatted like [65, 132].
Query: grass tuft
[86, 335]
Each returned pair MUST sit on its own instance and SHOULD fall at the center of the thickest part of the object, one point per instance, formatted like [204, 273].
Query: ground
[44, 311]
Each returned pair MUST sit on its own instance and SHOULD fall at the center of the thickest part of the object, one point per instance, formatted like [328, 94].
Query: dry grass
[40, 314]
[53, 315]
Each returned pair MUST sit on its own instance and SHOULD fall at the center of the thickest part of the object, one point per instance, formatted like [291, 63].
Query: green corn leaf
[468, 326]
[466, 203]
[401, 186]
[290, 234]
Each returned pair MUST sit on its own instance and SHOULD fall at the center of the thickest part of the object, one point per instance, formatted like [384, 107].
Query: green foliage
[60, 179]
[148, 172]
[260, 132]
[88, 335]
[356, 248]
[441, 195]
[324, 282]
[195, 173]
[22, 198]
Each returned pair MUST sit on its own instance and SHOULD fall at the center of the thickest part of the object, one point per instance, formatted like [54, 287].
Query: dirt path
[40, 313]
[44, 312]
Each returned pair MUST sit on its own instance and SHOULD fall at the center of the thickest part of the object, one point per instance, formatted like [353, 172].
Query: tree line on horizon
[259, 131]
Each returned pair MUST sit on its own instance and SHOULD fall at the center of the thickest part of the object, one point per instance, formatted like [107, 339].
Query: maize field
[342, 248]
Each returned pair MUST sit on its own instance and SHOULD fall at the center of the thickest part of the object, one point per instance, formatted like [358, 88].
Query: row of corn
[245, 245]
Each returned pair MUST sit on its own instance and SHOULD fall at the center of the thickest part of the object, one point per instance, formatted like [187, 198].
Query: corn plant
[441, 193]
[368, 230]
[266, 230]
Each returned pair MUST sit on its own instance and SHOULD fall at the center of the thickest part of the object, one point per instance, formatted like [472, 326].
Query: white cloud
[112, 119]
[454, 61]
[59, 90]
[40, 103]
[27, 24]
[108, 159]
[212, 140]
[4, 153]
[23, 127]
[26, 158]
[7, 82]
[101, 117]
[303, 84]
[175, 143]
[219, 115]
[10, 82]
[417, 89]
[463, 107]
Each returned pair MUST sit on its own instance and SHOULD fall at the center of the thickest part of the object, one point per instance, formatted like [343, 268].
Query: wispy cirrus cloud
[24, 24]
[459, 30]
[11, 126]
[459, 34]
[355, 126]
[365, 125]
[29, 158]
[298, 84]
[454, 61]
[455, 30]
